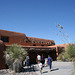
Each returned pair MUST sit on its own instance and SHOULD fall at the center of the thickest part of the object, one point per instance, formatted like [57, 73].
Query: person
[40, 66]
[42, 59]
[24, 62]
[38, 58]
[49, 60]
[27, 60]
[46, 62]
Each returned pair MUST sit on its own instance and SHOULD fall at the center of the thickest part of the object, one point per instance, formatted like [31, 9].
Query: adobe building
[2, 61]
[33, 46]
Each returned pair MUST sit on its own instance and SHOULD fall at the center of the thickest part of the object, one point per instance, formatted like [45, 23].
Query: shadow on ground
[31, 69]
[55, 69]
[51, 70]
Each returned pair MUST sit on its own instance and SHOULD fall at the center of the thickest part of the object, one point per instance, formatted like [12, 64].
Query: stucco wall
[2, 60]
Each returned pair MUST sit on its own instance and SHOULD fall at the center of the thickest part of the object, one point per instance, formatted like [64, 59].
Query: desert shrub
[63, 56]
[68, 54]
[70, 49]
[60, 57]
[14, 52]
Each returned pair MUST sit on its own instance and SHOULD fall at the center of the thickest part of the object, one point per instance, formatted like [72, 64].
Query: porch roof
[36, 47]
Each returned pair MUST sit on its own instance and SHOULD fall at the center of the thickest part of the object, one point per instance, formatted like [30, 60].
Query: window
[42, 42]
[33, 41]
[26, 40]
[42, 45]
[30, 40]
[49, 45]
[34, 45]
[49, 42]
[46, 42]
[5, 39]
[39, 42]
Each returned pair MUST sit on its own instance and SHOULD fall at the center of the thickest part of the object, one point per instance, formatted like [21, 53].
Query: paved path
[58, 68]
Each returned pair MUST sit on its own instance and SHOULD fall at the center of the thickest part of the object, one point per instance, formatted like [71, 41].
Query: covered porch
[34, 50]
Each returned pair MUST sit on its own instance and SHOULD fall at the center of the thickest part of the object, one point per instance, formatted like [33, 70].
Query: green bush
[71, 51]
[60, 57]
[63, 56]
[14, 52]
[68, 54]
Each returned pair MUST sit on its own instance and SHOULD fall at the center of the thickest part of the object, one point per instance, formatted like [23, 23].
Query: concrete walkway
[58, 68]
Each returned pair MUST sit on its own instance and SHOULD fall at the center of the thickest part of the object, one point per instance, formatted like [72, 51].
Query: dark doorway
[33, 55]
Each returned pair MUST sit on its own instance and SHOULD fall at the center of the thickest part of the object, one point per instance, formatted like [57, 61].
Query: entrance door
[32, 56]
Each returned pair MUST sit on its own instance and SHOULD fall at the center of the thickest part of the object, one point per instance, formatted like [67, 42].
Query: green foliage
[60, 57]
[63, 56]
[71, 51]
[68, 54]
[14, 52]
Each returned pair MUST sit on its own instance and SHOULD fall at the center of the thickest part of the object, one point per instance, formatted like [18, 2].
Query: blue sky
[38, 18]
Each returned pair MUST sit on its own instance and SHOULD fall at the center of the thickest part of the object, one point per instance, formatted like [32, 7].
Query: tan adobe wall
[2, 60]
[21, 39]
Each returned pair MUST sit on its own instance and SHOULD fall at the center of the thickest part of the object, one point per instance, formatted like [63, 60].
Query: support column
[57, 51]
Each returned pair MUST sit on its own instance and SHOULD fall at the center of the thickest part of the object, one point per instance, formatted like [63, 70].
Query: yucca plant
[14, 54]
